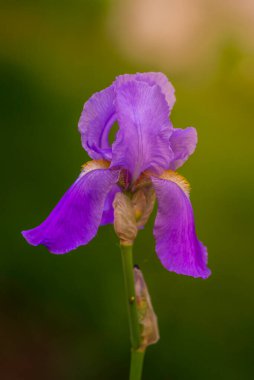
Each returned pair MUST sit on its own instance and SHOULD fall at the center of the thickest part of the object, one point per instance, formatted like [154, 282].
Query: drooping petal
[183, 143]
[108, 211]
[96, 120]
[76, 218]
[177, 245]
[153, 78]
[143, 137]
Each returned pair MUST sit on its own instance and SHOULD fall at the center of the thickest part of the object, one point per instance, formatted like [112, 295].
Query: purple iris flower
[146, 152]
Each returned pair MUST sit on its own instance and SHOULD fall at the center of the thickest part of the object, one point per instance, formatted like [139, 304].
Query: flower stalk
[137, 359]
[137, 354]
[135, 335]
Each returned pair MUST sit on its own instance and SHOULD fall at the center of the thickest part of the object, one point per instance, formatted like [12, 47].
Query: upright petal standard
[139, 163]
[142, 142]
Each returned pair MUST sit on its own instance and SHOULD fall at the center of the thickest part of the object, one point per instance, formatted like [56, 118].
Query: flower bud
[143, 203]
[124, 219]
[146, 314]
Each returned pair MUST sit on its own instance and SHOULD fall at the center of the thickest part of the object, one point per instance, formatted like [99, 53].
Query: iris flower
[145, 154]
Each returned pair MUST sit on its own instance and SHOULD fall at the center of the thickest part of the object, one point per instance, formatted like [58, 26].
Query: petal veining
[144, 129]
[76, 218]
[96, 120]
[108, 209]
[152, 78]
[175, 177]
[177, 245]
[183, 143]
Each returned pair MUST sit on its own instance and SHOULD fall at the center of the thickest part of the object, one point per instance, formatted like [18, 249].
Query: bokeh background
[64, 317]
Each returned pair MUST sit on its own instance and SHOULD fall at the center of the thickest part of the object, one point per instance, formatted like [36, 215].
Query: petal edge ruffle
[183, 143]
[152, 78]
[95, 122]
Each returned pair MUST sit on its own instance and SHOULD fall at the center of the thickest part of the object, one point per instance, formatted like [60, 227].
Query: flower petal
[153, 78]
[96, 120]
[162, 81]
[76, 218]
[177, 245]
[183, 143]
[108, 211]
[144, 129]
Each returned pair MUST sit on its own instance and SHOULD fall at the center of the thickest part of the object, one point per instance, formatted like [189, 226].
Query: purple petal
[183, 143]
[95, 122]
[108, 211]
[177, 245]
[76, 218]
[153, 78]
[144, 129]
[162, 81]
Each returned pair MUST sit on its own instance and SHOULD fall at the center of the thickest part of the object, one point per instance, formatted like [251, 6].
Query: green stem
[130, 292]
[137, 355]
[137, 358]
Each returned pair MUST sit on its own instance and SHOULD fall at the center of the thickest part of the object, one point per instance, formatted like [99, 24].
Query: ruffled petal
[177, 245]
[144, 129]
[153, 78]
[96, 120]
[108, 211]
[76, 218]
[183, 143]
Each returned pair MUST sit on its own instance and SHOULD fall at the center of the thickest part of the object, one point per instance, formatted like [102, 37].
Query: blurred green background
[64, 317]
